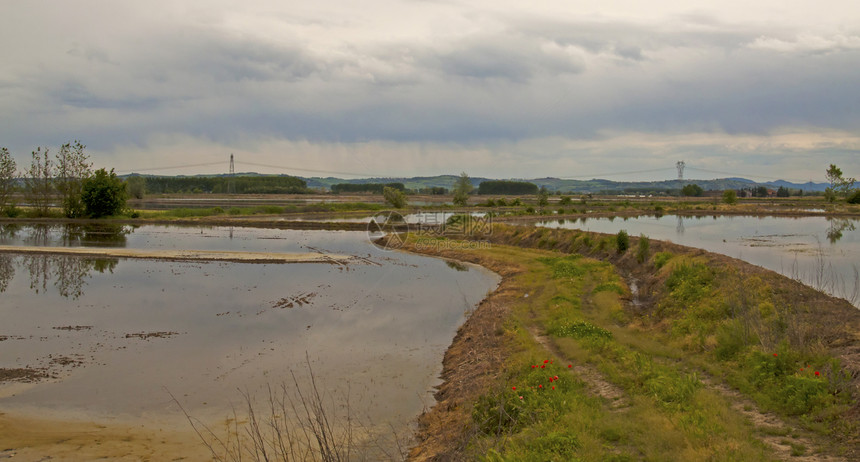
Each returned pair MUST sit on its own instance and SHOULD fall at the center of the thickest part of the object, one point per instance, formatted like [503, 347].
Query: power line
[595, 175]
[329, 172]
[151, 169]
[371, 175]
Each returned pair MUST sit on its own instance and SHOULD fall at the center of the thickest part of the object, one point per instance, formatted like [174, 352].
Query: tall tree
[462, 188]
[838, 184]
[7, 179]
[72, 168]
[543, 196]
[39, 182]
[395, 197]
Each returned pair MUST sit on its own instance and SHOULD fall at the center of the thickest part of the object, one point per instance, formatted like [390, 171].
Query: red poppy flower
[774, 355]
[542, 367]
[545, 361]
[540, 386]
[553, 388]
[513, 388]
[569, 366]
[816, 373]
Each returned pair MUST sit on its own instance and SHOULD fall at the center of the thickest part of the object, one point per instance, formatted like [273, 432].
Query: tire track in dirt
[593, 379]
[767, 424]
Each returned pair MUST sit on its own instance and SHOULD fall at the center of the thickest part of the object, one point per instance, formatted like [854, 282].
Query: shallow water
[819, 251]
[119, 334]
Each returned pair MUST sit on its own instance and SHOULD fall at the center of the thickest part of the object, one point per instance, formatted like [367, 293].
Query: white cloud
[807, 43]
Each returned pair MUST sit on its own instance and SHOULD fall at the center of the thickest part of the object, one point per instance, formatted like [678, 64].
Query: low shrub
[644, 248]
[580, 329]
[622, 241]
[661, 258]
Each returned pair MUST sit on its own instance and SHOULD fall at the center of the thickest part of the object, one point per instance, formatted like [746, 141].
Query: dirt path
[593, 379]
[773, 430]
[185, 255]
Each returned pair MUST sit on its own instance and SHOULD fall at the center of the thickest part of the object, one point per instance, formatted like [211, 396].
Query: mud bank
[184, 255]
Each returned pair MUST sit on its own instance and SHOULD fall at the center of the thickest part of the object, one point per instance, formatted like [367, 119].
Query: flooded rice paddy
[108, 338]
[822, 252]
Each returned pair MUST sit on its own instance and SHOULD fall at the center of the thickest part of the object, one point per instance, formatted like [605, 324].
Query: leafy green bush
[622, 241]
[103, 194]
[854, 197]
[730, 197]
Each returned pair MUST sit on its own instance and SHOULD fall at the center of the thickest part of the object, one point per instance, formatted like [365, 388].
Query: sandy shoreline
[183, 255]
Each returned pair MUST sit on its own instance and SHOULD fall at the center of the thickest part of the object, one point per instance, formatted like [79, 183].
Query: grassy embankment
[707, 320]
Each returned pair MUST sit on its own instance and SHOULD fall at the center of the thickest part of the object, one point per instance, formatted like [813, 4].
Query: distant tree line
[507, 187]
[433, 190]
[372, 188]
[224, 184]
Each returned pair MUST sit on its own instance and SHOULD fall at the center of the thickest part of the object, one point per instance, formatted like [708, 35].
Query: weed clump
[580, 329]
[661, 258]
[644, 249]
[622, 241]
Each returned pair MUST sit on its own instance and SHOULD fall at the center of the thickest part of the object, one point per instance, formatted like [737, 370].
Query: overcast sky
[497, 88]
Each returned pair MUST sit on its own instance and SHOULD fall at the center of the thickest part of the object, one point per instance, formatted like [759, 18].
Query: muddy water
[113, 336]
[819, 251]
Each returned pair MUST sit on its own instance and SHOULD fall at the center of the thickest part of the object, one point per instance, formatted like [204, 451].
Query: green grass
[670, 415]
[706, 317]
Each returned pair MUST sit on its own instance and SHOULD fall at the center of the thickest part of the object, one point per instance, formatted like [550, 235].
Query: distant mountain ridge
[578, 186]
[555, 184]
